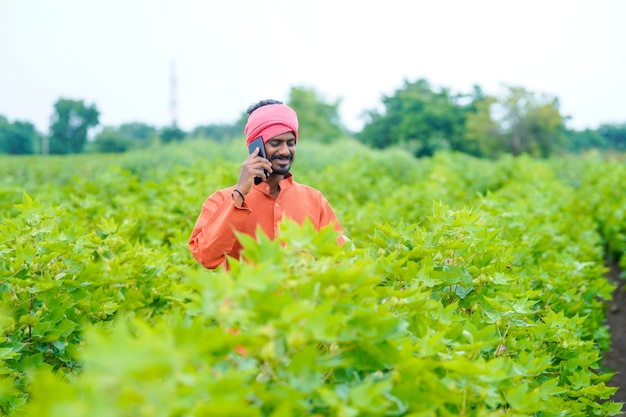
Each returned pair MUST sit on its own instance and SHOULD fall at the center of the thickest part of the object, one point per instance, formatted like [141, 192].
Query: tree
[482, 133]
[139, 131]
[531, 124]
[70, 124]
[17, 138]
[520, 122]
[172, 134]
[615, 135]
[417, 118]
[318, 120]
[581, 140]
[111, 140]
[219, 132]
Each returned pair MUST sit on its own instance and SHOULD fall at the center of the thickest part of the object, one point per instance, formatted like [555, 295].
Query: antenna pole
[173, 94]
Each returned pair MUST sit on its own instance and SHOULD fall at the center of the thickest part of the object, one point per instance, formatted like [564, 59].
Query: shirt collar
[284, 184]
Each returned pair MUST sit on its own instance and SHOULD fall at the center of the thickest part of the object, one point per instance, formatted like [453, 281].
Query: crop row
[470, 287]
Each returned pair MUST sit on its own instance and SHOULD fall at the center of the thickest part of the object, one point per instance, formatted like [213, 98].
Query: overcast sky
[118, 54]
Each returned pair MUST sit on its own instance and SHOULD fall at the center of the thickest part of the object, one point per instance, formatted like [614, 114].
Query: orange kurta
[213, 236]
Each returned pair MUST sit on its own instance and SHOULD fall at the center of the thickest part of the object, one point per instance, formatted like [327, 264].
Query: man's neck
[274, 182]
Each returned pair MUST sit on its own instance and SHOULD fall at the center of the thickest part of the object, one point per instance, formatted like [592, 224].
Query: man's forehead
[284, 136]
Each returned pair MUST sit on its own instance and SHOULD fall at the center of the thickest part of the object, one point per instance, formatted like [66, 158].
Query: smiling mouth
[282, 161]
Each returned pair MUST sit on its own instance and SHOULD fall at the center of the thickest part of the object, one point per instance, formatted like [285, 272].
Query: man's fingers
[253, 166]
[259, 162]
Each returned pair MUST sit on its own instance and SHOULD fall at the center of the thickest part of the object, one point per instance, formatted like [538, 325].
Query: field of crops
[469, 288]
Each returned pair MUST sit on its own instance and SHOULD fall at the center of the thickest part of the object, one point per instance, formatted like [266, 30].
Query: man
[245, 206]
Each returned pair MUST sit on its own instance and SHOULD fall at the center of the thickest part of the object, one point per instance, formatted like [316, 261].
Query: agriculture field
[468, 288]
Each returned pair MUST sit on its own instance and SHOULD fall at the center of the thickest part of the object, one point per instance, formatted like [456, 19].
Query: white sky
[117, 54]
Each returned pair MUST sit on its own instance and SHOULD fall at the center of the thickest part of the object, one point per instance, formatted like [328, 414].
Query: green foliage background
[469, 287]
[418, 117]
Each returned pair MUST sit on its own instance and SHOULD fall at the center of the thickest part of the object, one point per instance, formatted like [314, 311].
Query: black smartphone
[258, 143]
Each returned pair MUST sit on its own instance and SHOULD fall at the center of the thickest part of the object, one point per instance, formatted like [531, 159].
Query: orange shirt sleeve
[213, 236]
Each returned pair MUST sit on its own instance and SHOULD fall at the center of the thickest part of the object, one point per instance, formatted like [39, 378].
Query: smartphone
[258, 143]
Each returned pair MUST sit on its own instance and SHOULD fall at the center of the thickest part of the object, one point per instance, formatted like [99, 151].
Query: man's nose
[283, 149]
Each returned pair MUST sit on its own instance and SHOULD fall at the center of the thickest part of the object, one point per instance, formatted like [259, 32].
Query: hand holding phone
[258, 143]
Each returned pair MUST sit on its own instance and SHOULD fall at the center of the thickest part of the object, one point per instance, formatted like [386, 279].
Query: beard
[281, 170]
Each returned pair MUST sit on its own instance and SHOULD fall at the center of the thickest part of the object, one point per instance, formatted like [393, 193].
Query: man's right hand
[253, 166]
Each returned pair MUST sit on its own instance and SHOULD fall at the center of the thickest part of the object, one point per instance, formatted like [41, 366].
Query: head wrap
[270, 121]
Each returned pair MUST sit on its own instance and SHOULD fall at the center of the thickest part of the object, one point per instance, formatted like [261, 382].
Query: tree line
[425, 120]
[417, 117]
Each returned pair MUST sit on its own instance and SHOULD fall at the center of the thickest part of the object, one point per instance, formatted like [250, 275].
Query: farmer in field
[247, 205]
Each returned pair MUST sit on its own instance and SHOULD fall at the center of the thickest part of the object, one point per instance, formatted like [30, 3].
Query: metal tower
[173, 94]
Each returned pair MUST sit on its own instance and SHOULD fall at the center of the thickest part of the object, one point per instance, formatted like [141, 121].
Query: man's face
[280, 151]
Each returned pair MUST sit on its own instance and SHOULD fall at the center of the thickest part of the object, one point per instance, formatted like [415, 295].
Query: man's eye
[277, 143]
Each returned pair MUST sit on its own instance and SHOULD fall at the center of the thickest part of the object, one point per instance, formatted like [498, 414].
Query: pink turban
[270, 121]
